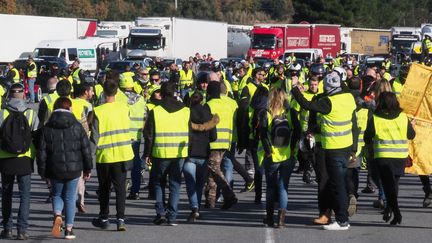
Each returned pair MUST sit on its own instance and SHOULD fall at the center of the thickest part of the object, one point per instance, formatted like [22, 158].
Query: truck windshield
[304, 56]
[260, 41]
[402, 45]
[145, 42]
[47, 52]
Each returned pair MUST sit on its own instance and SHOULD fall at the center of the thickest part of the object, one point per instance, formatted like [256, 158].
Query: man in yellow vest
[138, 113]
[399, 81]
[167, 146]
[225, 131]
[32, 74]
[48, 100]
[245, 138]
[338, 139]
[186, 79]
[17, 166]
[110, 138]
[13, 74]
[77, 74]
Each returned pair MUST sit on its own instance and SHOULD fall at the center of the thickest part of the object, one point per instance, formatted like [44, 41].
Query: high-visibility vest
[225, 127]
[137, 116]
[243, 82]
[387, 76]
[397, 86]
[82, 106]
[233, 106]
[336, 127]
[32, 73]
[98, 90]
[278, 154]
[31, 152]
[171, 141]
[252, 87]
[362, 119]
[75, 76]
[390, 140]
[114, 143]
[150, 106]
[356, 70]
[16, 77]
[387, 66]
[304, 114]
[186, 79]
[50, 100]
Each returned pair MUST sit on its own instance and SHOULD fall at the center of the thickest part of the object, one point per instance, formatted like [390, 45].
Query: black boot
[281, 218]
[387, 214]
[268, 220]
[397, 219]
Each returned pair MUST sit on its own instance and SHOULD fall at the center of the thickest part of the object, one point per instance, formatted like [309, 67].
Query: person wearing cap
[137, 115]
[77, 73]
[167, 147]
[225, 130]
[32, 74]
[13, 74]
[19, 166]
[338, 125]
[201, 87]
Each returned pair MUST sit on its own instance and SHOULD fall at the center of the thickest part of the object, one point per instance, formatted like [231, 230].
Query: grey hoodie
[20, 105]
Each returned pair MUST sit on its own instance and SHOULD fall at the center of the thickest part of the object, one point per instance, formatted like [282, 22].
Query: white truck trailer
[178, 37]
[21, 33]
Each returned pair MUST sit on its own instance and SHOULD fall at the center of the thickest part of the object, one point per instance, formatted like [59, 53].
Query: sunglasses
[154, 79]
[144, 73]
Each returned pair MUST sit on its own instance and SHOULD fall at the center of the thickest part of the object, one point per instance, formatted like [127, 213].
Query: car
[230, 61]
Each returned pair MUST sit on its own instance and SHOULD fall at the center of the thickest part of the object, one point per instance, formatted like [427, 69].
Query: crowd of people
[330, 118]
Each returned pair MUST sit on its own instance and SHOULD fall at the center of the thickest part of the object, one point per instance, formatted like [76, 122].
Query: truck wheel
[38, 96]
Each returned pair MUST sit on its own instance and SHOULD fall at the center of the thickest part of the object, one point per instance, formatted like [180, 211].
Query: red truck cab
[267, 42]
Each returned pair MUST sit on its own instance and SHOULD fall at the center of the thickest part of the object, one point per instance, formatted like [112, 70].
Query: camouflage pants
[216, 178]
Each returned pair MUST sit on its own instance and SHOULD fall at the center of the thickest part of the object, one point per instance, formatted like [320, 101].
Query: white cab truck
[21, 33]
[178, 37]
[91, 51]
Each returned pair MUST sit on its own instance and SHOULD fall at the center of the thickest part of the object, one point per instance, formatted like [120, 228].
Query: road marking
[269, 235]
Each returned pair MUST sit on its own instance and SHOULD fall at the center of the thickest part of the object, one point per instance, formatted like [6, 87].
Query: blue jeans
[138, 165]
[195, 174]
[31, 82]
[337, 170]
[172, 167]
[228, 169]
[64, 197]
[277, 181]
[24, 185]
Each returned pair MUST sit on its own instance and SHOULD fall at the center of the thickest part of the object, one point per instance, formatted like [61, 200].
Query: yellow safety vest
[171, 141]
[225, 127]
[252, 87]
[75, 76]
[390, 140]
[278, 154]
[387, 76]
[186, 79]
[31, 152]
[114, 143]
[16, 77]
[397, 86]
[50, 100]
[336, 127]
[387, 66]
[356, 70]
[243, 82]
[304, 114]
[32, 73]
[362, 119]
[137, 116]
[82, 107]
[98, 90]
[233, 106]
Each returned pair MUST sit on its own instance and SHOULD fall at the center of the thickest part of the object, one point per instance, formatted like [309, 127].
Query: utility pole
[175, 5]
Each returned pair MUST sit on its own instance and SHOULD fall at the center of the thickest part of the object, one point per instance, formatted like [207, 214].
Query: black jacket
[199, 141]
[64, 150]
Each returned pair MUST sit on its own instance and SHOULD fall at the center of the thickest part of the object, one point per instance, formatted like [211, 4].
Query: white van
[90, 51]
[305, 53]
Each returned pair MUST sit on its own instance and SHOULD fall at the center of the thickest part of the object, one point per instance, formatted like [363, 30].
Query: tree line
[354, 13]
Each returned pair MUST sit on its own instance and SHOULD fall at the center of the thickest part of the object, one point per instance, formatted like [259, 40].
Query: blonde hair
[276, 101]
[383, 85]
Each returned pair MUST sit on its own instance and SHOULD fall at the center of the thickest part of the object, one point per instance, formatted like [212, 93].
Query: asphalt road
[242, 223]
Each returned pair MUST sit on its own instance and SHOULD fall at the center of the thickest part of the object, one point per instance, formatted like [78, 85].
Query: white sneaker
[336, 226]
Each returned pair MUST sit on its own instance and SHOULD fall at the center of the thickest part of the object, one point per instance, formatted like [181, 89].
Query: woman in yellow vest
[274, 151]
[389, 130]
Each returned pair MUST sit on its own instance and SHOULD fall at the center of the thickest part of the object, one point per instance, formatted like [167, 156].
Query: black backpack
[281, 131]
[15, 133]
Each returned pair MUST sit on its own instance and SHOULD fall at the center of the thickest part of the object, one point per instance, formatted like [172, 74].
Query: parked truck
[402, 39]
[365, 41]
[21, 33]
[272, 41]
[178, 37]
